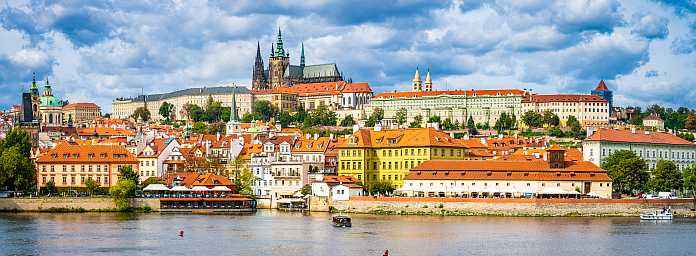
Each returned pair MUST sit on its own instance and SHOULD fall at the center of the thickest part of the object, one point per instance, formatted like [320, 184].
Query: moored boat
[665, 214]
[341, 221]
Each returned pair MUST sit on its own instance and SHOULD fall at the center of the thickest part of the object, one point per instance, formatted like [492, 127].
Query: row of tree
[681, 118]
[630, 175]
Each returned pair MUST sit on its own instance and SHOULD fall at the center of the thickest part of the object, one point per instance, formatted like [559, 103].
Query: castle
[281, 73]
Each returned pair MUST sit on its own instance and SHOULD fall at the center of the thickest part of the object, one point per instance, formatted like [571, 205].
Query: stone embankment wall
[510, 207]
[82, 203]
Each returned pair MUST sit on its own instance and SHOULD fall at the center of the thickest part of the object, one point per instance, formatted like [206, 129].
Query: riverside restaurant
[193, 192]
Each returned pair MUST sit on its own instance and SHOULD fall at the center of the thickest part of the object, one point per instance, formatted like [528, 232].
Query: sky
[96, 51]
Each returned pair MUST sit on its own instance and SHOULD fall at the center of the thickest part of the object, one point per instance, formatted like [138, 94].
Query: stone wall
[510, 207]
[86, 203]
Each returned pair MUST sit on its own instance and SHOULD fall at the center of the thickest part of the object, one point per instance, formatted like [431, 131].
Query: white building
[651, 146]
[590, 110]
[151, 159]
[654, 121]
[279, 173]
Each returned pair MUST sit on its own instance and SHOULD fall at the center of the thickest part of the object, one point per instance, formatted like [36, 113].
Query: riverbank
[510, 207]
[75, 204]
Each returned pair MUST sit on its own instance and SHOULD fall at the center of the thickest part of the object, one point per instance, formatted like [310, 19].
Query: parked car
[666, 195]
[6, 194]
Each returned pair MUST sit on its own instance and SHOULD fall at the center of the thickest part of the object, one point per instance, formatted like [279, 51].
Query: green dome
[50, 101]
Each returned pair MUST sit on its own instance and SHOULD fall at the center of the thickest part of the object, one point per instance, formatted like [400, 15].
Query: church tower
[428, 82]
[277, 64]
[258, 81]
[417, 83]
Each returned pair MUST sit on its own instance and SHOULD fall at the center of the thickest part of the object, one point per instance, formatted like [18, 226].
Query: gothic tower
[34, 91]
[258, 81]
[428, 82]
[302, 61]
[277, 64]
[417, 83]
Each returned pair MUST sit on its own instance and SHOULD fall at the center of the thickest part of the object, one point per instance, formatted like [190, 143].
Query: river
[277, 233]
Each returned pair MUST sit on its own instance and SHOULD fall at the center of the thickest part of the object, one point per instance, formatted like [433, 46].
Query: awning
[221, 189]
[289, 200]
[554, 191]
[180, 188]
[156, 187]
[200, 188]
[595, 194]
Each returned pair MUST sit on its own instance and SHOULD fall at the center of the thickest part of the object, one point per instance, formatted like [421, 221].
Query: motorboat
[341, 221]
[664, 214]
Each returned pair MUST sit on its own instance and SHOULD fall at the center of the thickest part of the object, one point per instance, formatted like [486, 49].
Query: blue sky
[101, 50]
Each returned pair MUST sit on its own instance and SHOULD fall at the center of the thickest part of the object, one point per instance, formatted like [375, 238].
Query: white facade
[681, 155]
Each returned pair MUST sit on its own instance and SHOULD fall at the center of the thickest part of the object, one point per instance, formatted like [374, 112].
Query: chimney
[217, 136]
[316, 136]
[590, 131]
[378, 126]
[356, 127]
[633, 130]
[466, 136]
[307, 136]
[483, 141]
[500, 136]
[207, 148]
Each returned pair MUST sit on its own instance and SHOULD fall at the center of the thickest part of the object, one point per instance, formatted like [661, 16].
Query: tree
[244, 180]
[628, 171]
[306, 190]
[532, 119]
[265, 109]
[194, 112]
[50, 188]
[382, 187]
[16, 170]
[141, 113]
[470, 123]
[574, 125]
[324, 116]
[127, 173]
[376, 116]
[686, 135]
[689, 176]
[556, 132]
[250, 117]
[504, 122]
[551, 119]
[285, 118]
[348, 121]
[166, 110]
[17, 138]
[665, 177]
[434, 119]
[124, 189]
[400, 116]
[213, 110]
[690, 122]
[448, 125]
[91, 185]
[199, 127]
[417, 120]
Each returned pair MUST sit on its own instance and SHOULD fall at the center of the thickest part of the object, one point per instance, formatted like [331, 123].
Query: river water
[277, 233]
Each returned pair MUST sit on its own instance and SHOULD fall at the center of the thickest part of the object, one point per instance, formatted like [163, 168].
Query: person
[181, 233]
[386, 253]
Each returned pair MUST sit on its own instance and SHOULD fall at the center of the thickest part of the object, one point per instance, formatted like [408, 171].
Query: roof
[601, 86]
[325, 88]
[70, 153]
[339, 179]
[638, 137]
[312, 71]
[191, 179]
[104, 131]
[652, 116]
[81, 105]
[505, 170]
[310, 145]
[193, 92]
[503, 92]
[564, 98]
[409, 137]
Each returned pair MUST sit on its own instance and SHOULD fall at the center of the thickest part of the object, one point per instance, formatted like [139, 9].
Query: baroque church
[280, 73]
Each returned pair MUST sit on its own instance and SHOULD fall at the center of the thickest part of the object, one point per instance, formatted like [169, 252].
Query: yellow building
[81, 113]
[387, 155]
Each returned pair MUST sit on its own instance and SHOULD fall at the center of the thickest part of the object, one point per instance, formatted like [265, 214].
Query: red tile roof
[601, 86]
[503, 92]
[69, 153]
[410, 137]
[638, 137]
[563, 98]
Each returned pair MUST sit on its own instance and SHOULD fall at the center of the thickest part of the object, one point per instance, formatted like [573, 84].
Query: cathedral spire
[302, 60]
[279, 51]
[272, 51]
[34, 89]
[258, 78]
[234, 117]
[428, 81]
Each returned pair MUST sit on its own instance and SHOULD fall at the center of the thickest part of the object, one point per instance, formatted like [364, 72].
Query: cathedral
[280, 73]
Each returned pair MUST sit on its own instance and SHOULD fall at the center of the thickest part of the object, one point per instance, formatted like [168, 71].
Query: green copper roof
[50, 101]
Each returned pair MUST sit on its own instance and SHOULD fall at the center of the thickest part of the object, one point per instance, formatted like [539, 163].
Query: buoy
[181, 233]
[386, 253]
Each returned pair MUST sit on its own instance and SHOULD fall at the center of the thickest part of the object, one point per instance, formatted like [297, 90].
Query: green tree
[265, 109]
[689, 175]
[628, 171]
[400, 116]
[199, 127]
[50, 188]
[250, 117]
[690, 122]
[194, 112]
[434, 119]
[417, 120]
[666, 177]
[306, 190]
[213, 110]
[141, 113]
[556, 132]
[551, 119]
[17, 138]
[128, 173]
[376, 116]
[504, 122]
[121, 192]
[16, 170]
[686, 135]
[285, 118]
[91, 185]
[448, 125]
[166, 110]
[382, 187]
[470, 123]
[323, 116]
[348, 121]
[574, 125]
[533, 119]
[244, 180]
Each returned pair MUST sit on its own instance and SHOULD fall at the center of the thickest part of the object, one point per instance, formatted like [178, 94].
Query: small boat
[341, 221]
[665, 214]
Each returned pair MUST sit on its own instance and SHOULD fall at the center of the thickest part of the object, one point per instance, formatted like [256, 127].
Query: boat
[341, 221]
[665, 214]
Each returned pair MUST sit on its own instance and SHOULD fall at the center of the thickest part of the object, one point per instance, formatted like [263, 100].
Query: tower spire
[417, 83]
[34, 89]
[302, 60]
[234, 117]
[279, 51]
[428, 81]
[258, 78]
[272, 51]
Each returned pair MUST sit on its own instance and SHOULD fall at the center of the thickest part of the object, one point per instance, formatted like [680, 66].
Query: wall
[86, 203]
[510, 207]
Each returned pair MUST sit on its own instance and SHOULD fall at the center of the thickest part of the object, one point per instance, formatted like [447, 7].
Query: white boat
[665, 214]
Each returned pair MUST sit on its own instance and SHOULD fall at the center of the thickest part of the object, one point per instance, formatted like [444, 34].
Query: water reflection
[280, 233]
